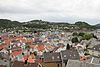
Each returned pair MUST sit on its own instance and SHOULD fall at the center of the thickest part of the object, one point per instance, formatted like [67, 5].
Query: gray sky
[51, 10]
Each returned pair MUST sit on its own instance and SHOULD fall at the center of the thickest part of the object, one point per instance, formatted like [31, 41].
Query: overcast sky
[51, 10]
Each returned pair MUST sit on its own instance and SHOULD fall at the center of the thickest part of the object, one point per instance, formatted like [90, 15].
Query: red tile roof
[7, 41]
[31, 58]
[16, 53]
[41, 47]
[31, 46]
[2, 46]
[30, 42]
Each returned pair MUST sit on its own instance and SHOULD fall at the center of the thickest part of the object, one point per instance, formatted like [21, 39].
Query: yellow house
[52, 65]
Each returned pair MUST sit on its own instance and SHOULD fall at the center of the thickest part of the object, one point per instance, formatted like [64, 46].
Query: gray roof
[76, 63]
[3, 55]
[70, 54]
[60, 44]
[52, 57]
[56, 57]
[96, 48]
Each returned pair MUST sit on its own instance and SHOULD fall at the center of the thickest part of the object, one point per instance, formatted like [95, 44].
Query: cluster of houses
[46, 49]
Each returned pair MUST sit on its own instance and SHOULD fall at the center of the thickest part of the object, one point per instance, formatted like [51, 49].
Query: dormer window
[99, 48]
[52, 57]
[64, 55]
[57, 56]
[74, 55]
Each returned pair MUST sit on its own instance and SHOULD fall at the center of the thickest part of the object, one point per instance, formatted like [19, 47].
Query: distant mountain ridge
[5, 23]
[97, 25]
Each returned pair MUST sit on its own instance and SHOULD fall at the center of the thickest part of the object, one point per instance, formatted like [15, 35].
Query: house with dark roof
[52, 59]
[3, 55]
[95, 51]
[60, 58]
[70, 54]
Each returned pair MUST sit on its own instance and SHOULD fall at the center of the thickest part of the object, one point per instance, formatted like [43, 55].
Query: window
[64, 55]
[74, 55]
[57, 56]
[53, 57]
[99, 48]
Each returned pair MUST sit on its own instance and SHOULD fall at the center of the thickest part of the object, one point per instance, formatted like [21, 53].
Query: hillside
[45, 25]
[98, 26]
[5, 23]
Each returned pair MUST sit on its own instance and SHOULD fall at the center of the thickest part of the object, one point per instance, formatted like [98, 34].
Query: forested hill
[5, 23]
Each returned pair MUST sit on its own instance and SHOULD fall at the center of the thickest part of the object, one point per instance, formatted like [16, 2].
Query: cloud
[52, 10]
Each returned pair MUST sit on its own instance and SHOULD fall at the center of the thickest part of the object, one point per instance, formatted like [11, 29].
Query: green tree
[75, 34]
[81, 34]
[87, 36]
[23, 54]
[27, 46]
[81, 25]
[75, 40]
[35, 53]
